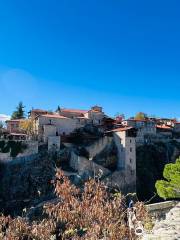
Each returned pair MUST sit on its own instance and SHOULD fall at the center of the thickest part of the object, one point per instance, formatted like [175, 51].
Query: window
[132, 172]
[130, 141]
[130, 149]
[130, 160]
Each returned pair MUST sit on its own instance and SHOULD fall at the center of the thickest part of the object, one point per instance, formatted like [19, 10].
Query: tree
[141, 116]
[19, 113]
[1, 124]
[170, 187]
[27, 126]
[58, 110]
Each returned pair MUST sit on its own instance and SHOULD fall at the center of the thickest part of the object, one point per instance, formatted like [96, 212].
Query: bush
[14, 147]
[92, 213]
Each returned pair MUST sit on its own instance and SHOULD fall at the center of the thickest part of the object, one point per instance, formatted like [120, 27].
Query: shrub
[92, 213]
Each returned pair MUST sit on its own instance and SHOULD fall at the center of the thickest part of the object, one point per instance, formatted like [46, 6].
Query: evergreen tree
[19, 113]
[58, 109]
[170, 188]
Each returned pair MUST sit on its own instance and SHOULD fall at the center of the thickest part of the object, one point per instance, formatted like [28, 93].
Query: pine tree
[170, 188]
[19, 113]
[58, 110]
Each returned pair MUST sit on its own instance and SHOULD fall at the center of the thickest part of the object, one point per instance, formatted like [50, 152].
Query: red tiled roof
[54, 116]
[38, 110]
[164, 127]
[74, 111]
[16, 120]
[139, 120]
[82, 118]
[122, 129]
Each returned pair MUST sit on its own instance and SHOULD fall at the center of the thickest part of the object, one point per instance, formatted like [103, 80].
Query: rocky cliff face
[151, 159]
[167, 229]
[24, 184]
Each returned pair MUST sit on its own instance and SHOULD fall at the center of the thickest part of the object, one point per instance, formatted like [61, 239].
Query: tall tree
[170, 187]
[58, 110]
[140, 116]
[19, 113]
[27, 126]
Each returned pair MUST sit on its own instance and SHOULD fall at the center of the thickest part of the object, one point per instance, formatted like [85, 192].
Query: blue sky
[122, 54]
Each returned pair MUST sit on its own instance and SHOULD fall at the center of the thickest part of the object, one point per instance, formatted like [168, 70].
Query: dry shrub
[89, 214]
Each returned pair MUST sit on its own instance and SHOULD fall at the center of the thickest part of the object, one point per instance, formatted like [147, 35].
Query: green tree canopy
[140, 116]
[170, 187]
[19, 113]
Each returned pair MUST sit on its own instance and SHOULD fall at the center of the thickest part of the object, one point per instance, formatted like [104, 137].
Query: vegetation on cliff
[170, 187]
[92, 213]
[14, 147]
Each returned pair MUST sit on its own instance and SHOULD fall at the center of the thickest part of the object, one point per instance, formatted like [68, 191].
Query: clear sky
[121, 54]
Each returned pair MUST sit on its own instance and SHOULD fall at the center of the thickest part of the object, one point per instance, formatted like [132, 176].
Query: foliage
[58, 110]
[92, 213]
[170, 187]
[141, 116]
[1, 124]
[14, 147]
[27, 126]
[19, 113]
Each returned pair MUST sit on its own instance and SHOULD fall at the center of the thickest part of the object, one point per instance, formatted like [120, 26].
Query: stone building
[34, 113]
[126, 143]
[95, 115]
[164, 131]
[13, 126]
[145, 128]
[177, 127]
[125, 175]
[54, 125]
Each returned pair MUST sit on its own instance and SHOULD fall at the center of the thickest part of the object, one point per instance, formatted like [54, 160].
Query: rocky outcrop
[168, 229]
[25, 183]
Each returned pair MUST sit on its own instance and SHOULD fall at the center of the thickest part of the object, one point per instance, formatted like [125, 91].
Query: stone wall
[85, 167]
[98, 146]
[54, 142]
[159, 210]
[32, 148]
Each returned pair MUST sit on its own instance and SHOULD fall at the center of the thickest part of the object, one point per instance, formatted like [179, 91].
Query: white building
[64, 122]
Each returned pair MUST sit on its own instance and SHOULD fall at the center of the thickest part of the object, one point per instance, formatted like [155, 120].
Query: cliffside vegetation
[170, 187]
[92, 213]
[14, 147]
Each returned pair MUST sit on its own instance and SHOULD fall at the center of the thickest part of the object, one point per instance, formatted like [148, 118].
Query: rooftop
[164, 127]
[54, 116]
[74, 110]
[121, 129]
[15, 120]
